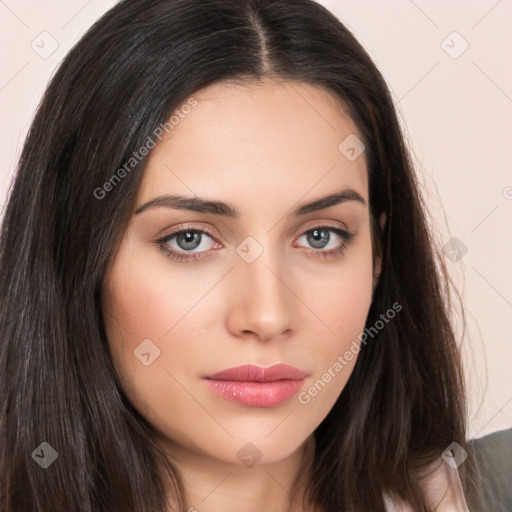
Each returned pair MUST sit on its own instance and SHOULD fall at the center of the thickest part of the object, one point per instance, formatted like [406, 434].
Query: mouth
[257, 386]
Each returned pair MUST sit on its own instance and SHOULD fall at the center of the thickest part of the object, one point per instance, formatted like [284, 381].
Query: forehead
[242, 140]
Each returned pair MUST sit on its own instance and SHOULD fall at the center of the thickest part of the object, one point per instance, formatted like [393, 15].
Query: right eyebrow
[195, 204]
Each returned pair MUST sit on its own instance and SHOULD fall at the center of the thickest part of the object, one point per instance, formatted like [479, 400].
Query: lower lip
[255, 394]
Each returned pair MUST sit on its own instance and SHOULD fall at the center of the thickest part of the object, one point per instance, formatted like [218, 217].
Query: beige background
[454, 94]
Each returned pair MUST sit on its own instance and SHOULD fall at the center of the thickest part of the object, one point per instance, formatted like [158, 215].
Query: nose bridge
[264, 298]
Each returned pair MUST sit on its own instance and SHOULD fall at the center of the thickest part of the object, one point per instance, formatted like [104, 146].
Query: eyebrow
[198, 204]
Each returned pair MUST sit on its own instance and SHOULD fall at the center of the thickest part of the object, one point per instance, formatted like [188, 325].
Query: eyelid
[190, 227]
[325, 224]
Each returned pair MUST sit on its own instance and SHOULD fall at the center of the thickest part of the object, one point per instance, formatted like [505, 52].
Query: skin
[264, 148]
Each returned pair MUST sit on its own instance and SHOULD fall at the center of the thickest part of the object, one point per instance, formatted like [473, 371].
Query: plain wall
[448, 66]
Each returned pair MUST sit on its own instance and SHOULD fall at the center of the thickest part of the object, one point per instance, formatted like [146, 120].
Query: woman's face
[280, 283]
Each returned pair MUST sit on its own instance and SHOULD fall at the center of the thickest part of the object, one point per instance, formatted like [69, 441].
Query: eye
[187, 244]
[320, 238]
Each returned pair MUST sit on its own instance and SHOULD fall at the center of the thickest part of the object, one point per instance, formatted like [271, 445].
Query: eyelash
[346, 237]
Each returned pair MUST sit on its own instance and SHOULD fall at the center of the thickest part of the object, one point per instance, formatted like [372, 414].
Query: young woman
[219, 289]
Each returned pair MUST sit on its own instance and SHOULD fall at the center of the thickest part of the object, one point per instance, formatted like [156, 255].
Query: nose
[261, 300]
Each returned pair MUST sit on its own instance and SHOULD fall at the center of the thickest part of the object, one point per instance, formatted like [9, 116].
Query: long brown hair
[404, 403]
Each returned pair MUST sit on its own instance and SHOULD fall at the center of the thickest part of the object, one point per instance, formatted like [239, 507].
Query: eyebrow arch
[198, 204]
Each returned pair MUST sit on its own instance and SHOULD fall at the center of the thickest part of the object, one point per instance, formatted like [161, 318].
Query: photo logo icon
[44, 45]
[146, 352]
[45, 455]
[249, 454]
[454, 249]
[249, 249]
[454, 45]
[454, 455]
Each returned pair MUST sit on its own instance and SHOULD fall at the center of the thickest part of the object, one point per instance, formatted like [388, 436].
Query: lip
[257, 386]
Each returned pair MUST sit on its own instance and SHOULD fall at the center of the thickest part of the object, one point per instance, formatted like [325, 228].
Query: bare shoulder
[443, 490]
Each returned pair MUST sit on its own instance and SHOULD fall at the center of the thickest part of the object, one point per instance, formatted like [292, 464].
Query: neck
[213, 485]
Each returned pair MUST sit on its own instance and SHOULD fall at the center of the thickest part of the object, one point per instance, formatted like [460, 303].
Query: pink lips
[257, 386]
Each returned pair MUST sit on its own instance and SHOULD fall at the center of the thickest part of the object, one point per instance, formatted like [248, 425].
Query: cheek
[143, 300]
[146, 311]
[342, 301]
[343, 294]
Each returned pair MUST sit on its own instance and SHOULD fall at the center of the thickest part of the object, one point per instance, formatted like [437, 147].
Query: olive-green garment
[493, 455]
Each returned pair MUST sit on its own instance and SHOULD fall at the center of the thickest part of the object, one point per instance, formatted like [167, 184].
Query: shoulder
[443, 490]
[493, 456]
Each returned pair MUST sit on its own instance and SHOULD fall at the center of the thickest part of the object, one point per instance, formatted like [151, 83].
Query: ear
[378, 258]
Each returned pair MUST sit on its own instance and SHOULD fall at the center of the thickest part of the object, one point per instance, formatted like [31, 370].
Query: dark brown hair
[404, 403]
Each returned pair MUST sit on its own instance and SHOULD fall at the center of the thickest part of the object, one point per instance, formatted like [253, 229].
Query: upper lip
[253, 373]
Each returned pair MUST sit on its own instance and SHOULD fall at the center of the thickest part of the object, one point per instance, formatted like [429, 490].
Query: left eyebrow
[342, 196]
[199, 204]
